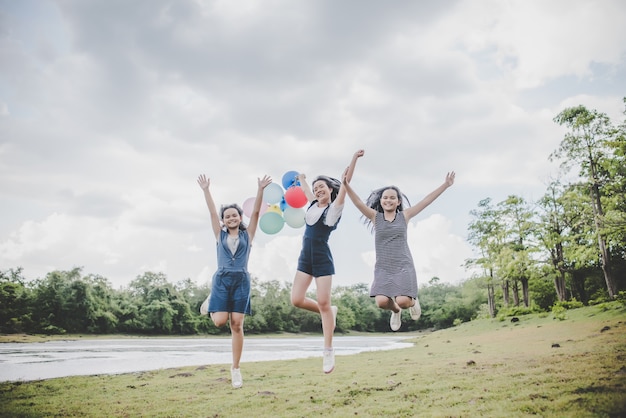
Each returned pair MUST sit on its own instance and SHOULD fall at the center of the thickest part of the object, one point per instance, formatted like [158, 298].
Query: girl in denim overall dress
[230, 287]
[316, 261]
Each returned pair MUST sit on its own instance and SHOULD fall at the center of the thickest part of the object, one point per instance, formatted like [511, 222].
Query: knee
[383, 302]
[297, 300]
[219, 320]
[324, 304]
[236, 326]
[404, 302]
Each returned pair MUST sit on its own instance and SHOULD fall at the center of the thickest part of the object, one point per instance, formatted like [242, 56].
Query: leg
[387, 303]
[415, 309]
[324, 285]
[236, 329]
[219, 318]
[301, 284]
[405, 302]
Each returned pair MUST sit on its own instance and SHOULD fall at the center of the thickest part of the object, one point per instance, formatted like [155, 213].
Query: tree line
[567, 248]
[574, 236]
[71, 302]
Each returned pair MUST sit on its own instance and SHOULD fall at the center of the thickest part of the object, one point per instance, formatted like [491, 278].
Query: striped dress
[394, 273]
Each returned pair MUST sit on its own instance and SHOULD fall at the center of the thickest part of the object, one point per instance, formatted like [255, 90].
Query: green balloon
[271, 223]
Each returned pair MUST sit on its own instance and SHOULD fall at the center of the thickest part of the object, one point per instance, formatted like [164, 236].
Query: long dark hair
[373, 201]
[242, 226]
[332, 183]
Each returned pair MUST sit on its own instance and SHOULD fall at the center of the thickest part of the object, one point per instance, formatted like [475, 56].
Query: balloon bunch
[280, 206]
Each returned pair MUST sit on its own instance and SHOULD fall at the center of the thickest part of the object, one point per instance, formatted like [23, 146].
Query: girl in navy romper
[316, 260]
[230, 288]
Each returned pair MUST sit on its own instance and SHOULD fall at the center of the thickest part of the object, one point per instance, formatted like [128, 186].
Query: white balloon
[294, 217]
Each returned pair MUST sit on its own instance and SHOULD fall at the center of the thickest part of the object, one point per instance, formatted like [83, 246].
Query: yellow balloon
[275, 209]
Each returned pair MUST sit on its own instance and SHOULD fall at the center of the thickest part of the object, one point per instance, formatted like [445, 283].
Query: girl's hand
[264, 182]
[344, 176]
[450, 178]
[359, 153]
[204, 182]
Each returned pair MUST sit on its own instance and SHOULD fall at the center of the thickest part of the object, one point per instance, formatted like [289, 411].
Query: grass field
[538, 366]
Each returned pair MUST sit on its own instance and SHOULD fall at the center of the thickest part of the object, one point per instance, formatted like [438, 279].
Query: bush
[518, 310]
[53, 330]
[568, 304]
[483, 312]
[559, 312]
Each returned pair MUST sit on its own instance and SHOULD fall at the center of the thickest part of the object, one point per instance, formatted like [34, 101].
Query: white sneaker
[204, 308]
[395, 322]
[334, 309]
[236, 379]
[415, 310]
[329, 360]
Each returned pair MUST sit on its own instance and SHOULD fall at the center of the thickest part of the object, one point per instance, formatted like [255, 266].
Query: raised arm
[256, 209]
[360, 205]
[305, 187]
[216, 224]
[430, 198]
[341, 195]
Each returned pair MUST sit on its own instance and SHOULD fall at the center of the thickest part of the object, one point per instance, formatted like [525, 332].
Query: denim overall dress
[230, 290]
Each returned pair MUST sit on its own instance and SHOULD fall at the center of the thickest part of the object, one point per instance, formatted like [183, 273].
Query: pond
[35, 361]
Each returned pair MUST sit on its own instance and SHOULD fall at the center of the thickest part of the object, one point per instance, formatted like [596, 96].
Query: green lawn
[538, 366]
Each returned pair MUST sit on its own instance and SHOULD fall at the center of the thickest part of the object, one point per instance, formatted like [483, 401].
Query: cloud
[109, 111]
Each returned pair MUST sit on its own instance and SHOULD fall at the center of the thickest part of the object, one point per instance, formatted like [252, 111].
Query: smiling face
[322, 192]
[389, 200]
[231, 218]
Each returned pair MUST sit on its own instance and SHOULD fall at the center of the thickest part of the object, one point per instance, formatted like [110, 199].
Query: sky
[110, 109]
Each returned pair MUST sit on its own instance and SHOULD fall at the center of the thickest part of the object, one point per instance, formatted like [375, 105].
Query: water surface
[34, 361]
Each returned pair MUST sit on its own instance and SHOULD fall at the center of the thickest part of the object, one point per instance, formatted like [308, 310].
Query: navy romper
[315, 258]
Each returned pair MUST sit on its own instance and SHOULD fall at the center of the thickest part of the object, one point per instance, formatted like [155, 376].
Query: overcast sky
[109, 110]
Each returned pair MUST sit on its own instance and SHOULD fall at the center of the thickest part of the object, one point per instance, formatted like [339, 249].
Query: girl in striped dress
[395, 280]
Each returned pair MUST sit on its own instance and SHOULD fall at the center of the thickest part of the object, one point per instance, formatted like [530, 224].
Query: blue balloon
[290, 178]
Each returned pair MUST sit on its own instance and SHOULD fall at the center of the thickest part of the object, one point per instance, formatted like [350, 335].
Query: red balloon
[295, 197]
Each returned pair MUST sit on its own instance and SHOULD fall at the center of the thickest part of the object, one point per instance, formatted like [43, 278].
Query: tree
[104, 318]
[514, 258]
[14, 302]
[160, 309]
[581, 245]
[486, 234]
[357, 311]
[586, 146]
[551, 232]
[53, 299]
